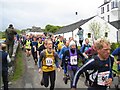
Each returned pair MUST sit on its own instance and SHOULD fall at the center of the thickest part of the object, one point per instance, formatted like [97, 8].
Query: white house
[110, 12]
[106, 29]
[35, 31]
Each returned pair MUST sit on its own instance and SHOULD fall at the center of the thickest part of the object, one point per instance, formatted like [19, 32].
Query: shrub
[114, 46]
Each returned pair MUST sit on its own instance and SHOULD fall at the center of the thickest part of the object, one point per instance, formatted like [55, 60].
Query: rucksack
[84, 47]
[9, 35]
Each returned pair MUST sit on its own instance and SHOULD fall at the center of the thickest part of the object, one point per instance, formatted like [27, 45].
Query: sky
[27, 13]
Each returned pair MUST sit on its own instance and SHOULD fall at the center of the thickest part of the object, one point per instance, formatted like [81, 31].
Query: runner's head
[49, 44]
[67, 43]
[103, 48]
[72, 45]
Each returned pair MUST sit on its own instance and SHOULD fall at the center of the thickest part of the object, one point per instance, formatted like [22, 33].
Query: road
[32, 78]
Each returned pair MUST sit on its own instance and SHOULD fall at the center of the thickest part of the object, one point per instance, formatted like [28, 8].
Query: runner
[48, 58]
[89, 54]
[59, 44]
[34, 49]
[116, 52]
[62, 51]
[27, 45]
[70, 60]
[101, 66]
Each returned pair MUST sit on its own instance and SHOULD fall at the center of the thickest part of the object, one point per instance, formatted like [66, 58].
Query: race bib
[49, 61]
[73, 60]
[102, 77]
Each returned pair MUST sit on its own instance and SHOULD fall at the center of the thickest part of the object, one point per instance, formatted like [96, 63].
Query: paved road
[31, 77]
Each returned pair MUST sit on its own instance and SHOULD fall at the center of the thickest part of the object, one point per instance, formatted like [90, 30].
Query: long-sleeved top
[116, 52]
[62, 51]
[5, 60]
[80, 34]
[84, 47]
[91, 52]
[104, 66]
[67, 56]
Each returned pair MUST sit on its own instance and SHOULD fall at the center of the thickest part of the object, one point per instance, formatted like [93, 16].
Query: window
[108, 18]
[89, 35]
[114, 4]
[107, 7]
[102, 10]
[106, 34]
[102, 18]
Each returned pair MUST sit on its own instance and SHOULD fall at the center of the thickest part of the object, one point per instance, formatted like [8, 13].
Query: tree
[51, 28]
[99, 30]
[95, 29]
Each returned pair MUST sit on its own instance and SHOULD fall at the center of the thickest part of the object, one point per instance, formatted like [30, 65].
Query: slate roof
[73, 26]
[116, 24]
[104, 4]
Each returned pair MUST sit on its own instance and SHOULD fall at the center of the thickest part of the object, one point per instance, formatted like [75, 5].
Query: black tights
[52, 76]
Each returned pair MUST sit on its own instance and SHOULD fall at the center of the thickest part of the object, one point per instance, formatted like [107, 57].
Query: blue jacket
[116, 52]
[62, 51]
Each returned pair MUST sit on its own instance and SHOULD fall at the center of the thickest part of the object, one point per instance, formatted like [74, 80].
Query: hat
[71, 43]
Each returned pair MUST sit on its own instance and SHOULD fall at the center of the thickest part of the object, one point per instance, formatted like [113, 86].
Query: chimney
[105, 1]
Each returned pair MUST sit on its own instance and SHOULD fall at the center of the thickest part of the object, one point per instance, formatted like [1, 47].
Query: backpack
[93, 74]
[84, 47]
[9, 35]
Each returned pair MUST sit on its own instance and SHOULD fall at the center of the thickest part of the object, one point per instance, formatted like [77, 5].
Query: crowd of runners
[50, 52]
[92, 61]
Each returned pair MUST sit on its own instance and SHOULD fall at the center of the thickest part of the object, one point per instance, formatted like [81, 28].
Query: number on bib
[102, 77]
[49, 61]
[73, 60]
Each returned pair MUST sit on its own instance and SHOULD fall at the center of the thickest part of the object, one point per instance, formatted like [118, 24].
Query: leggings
[52, 76]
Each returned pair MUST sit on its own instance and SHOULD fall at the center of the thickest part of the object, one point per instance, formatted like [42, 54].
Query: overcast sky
[27, 13]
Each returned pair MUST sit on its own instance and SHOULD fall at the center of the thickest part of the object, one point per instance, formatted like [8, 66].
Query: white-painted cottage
[106, 29]
[110, 12]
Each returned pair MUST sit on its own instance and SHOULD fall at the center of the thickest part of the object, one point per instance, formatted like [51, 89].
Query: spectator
[5, 60]
[9, 33]
[80, 34]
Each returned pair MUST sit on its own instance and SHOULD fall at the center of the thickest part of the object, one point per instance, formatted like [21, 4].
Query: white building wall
[112, 33]
[59, 34]
[114, 13]
[67, 35]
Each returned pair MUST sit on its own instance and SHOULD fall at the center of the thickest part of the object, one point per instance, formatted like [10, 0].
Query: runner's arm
[56, 60]
[87, 66]
[40, 59]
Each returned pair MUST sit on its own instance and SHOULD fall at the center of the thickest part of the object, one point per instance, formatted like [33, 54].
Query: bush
[114, 46]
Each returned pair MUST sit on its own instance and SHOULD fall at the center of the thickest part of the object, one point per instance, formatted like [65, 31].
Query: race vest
[39, 44]
[60, 45]
[27, 45]
[73, 58]
[102, 77]
[48, 61]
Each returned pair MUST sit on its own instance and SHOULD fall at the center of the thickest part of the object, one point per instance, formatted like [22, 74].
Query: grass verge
[19, 66]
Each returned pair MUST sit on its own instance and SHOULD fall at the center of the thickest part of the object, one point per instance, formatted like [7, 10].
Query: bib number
[73, 60]
[102, 77]
[49, 61]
